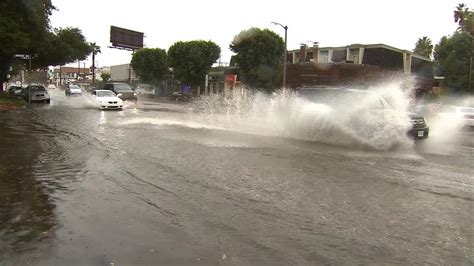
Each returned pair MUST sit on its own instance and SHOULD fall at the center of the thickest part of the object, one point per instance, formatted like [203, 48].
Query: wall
[121, 73]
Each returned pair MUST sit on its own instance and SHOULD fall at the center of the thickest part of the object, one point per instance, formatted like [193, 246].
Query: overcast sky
[331, 23]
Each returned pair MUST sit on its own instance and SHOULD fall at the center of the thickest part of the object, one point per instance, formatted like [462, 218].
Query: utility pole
[93, 65]
[286, 52]
[469, 89]
[29, 64]
[29, 80]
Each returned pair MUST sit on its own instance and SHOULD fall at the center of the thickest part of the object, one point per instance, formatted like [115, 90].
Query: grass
[8, 101]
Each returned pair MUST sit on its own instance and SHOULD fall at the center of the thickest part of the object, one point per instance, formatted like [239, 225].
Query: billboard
[127, 39]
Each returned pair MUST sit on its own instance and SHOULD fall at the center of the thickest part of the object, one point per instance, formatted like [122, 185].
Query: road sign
[23, 56]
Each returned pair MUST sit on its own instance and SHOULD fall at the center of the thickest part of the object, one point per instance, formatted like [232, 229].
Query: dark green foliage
[424, 47]
[259, 57]
[465, 18]
[452, 55]
[22, 24]
[105, 76]
[151, 65]
[62, 46]
[25, 29]
[192, 60]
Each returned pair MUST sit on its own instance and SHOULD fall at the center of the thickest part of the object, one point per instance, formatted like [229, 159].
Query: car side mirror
[119, 95]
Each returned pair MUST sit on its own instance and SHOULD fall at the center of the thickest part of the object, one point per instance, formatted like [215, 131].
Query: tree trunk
[5, 63]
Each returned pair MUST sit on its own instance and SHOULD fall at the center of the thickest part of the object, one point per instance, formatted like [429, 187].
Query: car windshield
[121, 87]
[37, 88]
[105, 94]
[75, 87]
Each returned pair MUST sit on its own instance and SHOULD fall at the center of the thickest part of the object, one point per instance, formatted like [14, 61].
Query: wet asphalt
[151, 186]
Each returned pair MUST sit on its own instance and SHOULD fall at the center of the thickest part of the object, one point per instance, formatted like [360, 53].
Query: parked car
[179, 96]
[107, 99]
[36, 93]
[338, 98]
[73, 90]
[15, 90]
[51, 87]
[122, 90]
[464, 113]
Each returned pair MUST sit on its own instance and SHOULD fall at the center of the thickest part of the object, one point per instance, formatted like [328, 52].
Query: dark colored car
[339, 98]
[15, 90]
[123, 90]
[419, 128]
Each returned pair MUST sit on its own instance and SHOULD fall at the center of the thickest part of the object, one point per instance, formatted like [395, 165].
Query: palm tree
[465, 18]
[424, 47]
[95, 50]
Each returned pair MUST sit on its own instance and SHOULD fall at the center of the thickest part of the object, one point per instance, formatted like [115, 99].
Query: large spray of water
[347, 121]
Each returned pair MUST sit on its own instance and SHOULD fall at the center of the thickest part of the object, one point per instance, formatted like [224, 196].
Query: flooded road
[153, 185]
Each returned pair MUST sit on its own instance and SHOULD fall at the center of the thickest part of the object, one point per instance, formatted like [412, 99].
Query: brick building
[356, 64]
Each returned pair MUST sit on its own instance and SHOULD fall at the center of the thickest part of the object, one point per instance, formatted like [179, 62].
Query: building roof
[375, 45]
[72, 70]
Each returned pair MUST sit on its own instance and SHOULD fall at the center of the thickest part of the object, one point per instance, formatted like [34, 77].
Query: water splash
[287, 114]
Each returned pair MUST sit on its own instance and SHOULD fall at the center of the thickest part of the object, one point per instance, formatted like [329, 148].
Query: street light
[284, 57]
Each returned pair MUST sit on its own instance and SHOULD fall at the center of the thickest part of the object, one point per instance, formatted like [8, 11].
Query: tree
[452, 56]
[465, 18]
[424, 47]
[64, 45]
[105, 76]
[151, 65]
[192, 60]
[24, 25]
[95, 50]
[259, 58]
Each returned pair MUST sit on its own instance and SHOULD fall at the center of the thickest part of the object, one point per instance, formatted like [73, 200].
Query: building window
[323, 56]
[339, 56]
[354, 55]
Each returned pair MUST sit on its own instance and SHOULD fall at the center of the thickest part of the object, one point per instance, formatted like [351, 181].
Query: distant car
[178, 96]
[107, 99]
[15, 90]
[36, 93]
[51, 87]
[122, 90]
[145, 89]
[336, 99]
[464, 113]
[73, 90]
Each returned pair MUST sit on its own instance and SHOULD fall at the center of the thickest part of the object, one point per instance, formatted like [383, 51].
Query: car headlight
[134, 94]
